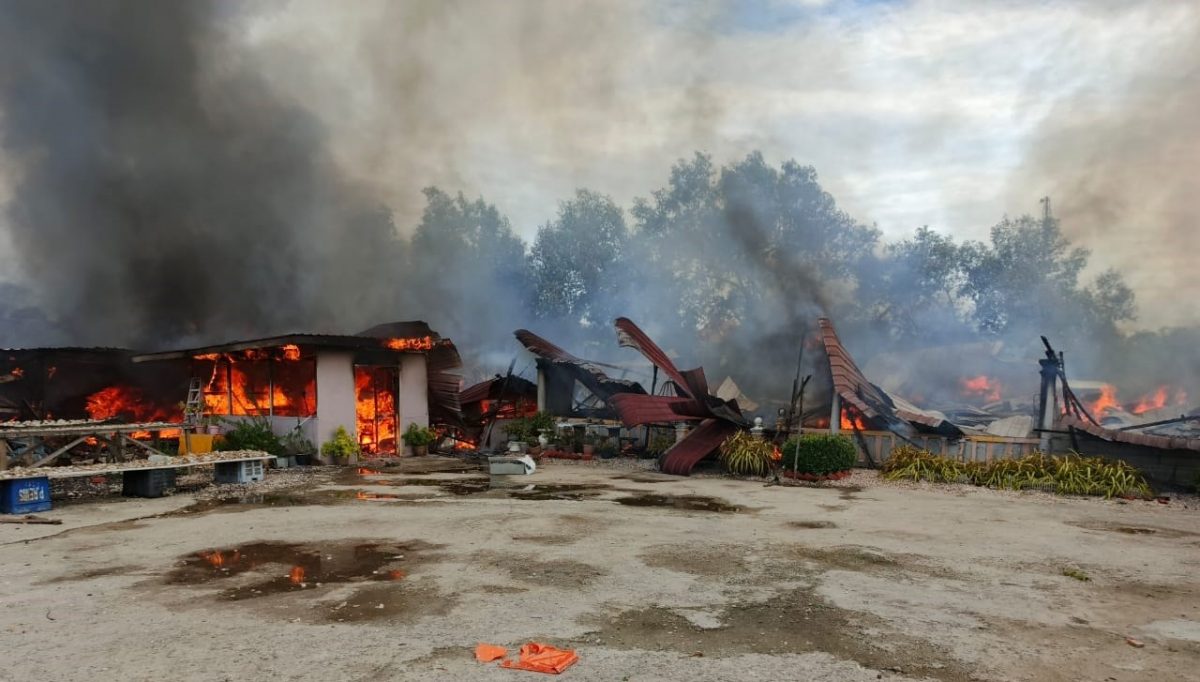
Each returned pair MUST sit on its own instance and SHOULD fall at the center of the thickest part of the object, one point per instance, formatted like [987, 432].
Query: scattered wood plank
[31, 519]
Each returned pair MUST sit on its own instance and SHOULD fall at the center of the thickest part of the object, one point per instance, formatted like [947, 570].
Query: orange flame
[396, 574]
[1158, 399]
[851, 419]
[1106, 402]
[981, 386]
[17, 372]
[375, 409]
[127, 401]
[418, 343]
[296, 575]
[246, 381]
[1153, 401]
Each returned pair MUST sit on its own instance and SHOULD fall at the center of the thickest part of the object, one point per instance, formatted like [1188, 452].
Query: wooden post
[3, 454]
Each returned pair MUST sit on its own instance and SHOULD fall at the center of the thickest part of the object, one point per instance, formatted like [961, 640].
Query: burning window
[259, 383]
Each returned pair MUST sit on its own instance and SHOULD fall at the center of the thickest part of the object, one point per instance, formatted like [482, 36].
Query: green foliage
[908, 463]
[745, 455]
[609, 448]
[418, 436]
[1071, 474]
[252, 434]
[294, 443]
[1077, 574]
[542, 422]
[341, 446]
[819, 454]
[518, 429]
[574, 260]
[659, 443]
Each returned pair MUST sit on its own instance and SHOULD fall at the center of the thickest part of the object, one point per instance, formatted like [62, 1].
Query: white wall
[335, 395]
[413, 401]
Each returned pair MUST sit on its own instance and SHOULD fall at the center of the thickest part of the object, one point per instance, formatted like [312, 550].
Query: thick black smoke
[165, 193]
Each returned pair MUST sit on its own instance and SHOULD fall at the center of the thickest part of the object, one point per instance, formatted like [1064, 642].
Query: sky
[929, 112]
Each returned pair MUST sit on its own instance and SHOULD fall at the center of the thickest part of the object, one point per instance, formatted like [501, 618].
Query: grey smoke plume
[1120, 160]
[164, 194]
[209, 170]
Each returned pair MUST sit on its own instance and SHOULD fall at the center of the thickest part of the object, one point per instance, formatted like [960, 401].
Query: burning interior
[372, 384]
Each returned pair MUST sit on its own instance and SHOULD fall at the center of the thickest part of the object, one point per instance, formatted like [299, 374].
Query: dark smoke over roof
[167, 188]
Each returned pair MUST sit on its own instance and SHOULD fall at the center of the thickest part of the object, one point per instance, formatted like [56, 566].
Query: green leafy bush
[819, 454]
[1071, 474]
[518, 429]
[294, 443]
[341, 446]
[659, 443]
[745, 455]
[909, 463]
[541, 422]
[418, 436]
[252, 434]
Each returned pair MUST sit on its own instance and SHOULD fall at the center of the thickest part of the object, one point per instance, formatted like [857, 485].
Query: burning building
[373, 384]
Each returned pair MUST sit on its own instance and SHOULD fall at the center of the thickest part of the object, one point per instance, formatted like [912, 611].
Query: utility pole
[1045, 202]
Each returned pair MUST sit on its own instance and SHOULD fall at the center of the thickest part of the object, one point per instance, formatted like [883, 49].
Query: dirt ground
[396, 575]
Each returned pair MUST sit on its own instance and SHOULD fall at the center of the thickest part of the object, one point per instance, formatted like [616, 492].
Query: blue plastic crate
[25, 495]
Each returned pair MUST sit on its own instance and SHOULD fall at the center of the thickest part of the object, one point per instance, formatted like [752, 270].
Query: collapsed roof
[561, 370]
[873, 402]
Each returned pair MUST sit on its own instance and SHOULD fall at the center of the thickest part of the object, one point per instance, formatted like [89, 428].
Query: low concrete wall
[1169, 468]
[968, 449]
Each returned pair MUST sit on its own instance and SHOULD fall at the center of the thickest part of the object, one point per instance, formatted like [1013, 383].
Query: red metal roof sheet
[872, 401]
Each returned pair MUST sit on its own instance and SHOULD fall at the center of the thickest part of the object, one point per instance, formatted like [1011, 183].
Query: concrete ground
[396, 576]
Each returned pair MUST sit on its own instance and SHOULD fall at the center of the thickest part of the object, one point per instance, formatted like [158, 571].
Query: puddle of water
[683, 502]
[539, 491]
[277, 567]
[1133, 530]
[513, 488]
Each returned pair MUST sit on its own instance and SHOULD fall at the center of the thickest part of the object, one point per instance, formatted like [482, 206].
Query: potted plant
[518, 431]
[418, 438]
[341, 448]
[298, 448]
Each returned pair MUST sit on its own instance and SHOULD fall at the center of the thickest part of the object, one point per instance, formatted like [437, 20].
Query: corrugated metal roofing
[1129, 437]
[870, 400]
[586, 372]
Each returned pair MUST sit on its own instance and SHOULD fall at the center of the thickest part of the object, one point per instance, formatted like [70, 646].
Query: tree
[575, 262]
[467, 269]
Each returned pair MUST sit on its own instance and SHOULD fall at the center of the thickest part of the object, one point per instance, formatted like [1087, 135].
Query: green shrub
[518, 429]
[418, 436]
[660, 443]
[1071, 474]
[819, 454]
[252, 434]
[908, 463]
[541, 422]
[294, 443]
[745, 455]
[341, 446]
